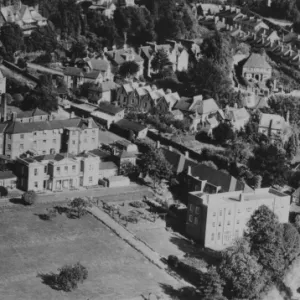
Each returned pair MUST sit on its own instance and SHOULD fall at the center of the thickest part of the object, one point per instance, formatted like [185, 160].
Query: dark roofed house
[124, 127]
[118, 56]
[8, 179]
[108, 114]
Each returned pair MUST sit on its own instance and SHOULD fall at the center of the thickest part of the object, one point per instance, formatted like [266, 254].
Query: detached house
[177, 54]
[257, 68]
[118, 56]
[272, 126]
[237, 117]
[28, 18]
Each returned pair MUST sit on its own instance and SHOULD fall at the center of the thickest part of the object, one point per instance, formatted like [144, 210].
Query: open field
[30, 246]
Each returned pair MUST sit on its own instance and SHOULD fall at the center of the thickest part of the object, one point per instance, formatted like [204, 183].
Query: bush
[3, 191]
[138, 204]
[79, 205]
[70, 275]
[29, 198]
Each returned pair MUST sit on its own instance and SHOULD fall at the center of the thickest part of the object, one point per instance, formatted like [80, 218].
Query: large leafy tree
[270, 162]
[223, 133]
[291, 242]
[12, 38]
[265, 237]
[129, 69]
[160, 61]
[243, 274]
[210, 79]
[154, 163]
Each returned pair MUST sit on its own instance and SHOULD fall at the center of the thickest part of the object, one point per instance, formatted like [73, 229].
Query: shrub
[70, 275]
[138, 204]
[79, 205]
[3, 191]
[29, 198]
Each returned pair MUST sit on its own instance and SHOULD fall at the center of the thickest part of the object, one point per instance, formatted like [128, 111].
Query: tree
[270, 162]
[257, 181]
[29, 198]
[79, 206]
[243, 275]
[154, 163]
[160, 61]
[291, 242]
[210, 284]
[78, 49]
[223, 132]
[129, 69]
[209, 79]
[70, 275]
[3, 191]
[12, 37]
[129, 169]
[265, 237]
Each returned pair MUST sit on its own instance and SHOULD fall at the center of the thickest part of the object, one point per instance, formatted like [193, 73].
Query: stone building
[216, 220]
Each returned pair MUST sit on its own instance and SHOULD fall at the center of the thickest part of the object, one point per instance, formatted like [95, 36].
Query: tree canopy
[129, 69]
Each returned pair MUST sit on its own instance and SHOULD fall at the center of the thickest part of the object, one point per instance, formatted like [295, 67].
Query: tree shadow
[185, 293]
[194, 250]
[44, 217]
[285, 291]
[18, 201]
[50, 280]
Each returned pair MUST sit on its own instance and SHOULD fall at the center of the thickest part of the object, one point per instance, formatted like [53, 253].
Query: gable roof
[7, 175]
[119, 56]
[176, 160]
[98, 64]
[256, 60]
[31, 113]
[109, 108]
[184, 103]
[217, 178]
[73, 71]
[237, 114]
[206, 106]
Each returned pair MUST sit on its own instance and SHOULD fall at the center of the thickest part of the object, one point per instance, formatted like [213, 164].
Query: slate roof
[100, 153]
[184, 104]
[237, 114]
[17, 127]
[108, 165]
[31, 113]
[255, 60]
[98, 64]
[176, 160]
[109, 108]
[128, 125]
[118, 56]
[7, 175]
[73, 71]
[217, 178]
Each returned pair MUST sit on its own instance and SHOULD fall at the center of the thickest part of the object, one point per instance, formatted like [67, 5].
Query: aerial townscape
[149, 149]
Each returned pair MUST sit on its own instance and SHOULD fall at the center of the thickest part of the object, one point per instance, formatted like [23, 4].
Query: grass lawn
[30, 246]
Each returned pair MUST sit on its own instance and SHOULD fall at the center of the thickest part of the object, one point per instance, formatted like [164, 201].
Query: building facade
[217, 220]
[48, 137]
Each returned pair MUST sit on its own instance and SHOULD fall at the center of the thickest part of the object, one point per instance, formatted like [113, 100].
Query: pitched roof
[7, 175]
[176, 160]
[119, 56]
[206, 106]
[217, 178]
[272, 121]
[73, 71]
[184, 103]
[98, 64]
[255, 60]
[100, 153]
[129, 125]
[17, 127]
[108, 165]
[109, 108]
[31, 113]
[237, 114]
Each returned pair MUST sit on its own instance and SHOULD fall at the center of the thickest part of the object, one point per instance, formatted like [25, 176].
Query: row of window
[228, 223]
[66, 168]
[227, 237]
[193, 220]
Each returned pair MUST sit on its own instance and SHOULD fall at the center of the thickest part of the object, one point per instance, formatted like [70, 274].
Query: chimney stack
[186, 154]
[241, 197]
[158, 144]
[170, 148]
[189, 170]
[90, 122]
[3, 108]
